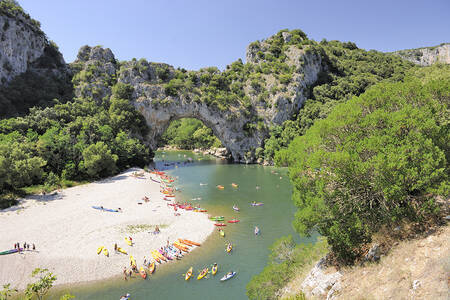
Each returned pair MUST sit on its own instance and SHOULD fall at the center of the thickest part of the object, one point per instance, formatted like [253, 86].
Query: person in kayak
[256, 230]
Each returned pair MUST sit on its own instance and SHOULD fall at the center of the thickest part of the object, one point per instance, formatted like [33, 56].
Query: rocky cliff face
[22, 44]
[428, 55]
[96, 69]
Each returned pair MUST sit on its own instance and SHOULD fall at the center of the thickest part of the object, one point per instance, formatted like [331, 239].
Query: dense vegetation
[350, 72]
[78, 140]
[375, 161]
[285, 260]
[189, 134]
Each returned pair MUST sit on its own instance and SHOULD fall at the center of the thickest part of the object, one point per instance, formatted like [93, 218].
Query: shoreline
[67, 231]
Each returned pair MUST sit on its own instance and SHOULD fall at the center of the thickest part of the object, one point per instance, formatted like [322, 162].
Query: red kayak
[233, 221]
[220, 224]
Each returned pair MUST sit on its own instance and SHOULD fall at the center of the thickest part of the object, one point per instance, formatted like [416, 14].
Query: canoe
[155, 256]
[220, 224]
[142, 272]
[228, 276]
[185, 243]
[105, 251]
[181, 247]
[105, 209]
[152, 267]
[222, 233]
[132, 260]
[233, 221]
[158, 255]
[129, 242]
[121, 250]
[193, 243]
[188, 274]
[214, 269]
[202, 274]
[10, 251]
[229, 248]
[99, 249]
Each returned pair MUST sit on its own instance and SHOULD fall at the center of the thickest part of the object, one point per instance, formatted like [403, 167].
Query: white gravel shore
[67, 231]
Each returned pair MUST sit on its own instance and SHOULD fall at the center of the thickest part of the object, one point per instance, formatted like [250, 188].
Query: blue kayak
[105, 209]
[10, 251]
[228, 276]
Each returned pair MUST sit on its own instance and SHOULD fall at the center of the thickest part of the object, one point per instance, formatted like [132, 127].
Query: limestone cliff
[22, 43]
[428, 55]
[32, 70]
[241, 126]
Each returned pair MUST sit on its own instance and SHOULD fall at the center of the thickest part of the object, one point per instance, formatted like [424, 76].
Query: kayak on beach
[220, 224]
[104, 209]
[11, 251]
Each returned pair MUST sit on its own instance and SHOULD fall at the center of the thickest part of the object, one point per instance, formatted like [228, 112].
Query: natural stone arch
[236, 125]
[225, 126]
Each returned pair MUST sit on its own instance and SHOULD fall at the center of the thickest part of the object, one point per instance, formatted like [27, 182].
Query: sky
[193, 34]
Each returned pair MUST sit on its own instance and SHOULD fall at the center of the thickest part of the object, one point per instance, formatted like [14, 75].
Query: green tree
[41, 286]
[98, 161]
[373, 162]
[7, 292]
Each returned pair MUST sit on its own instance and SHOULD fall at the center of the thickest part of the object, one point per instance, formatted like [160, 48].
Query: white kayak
[228, 276]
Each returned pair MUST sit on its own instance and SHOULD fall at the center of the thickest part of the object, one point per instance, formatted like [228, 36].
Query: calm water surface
[250, 252]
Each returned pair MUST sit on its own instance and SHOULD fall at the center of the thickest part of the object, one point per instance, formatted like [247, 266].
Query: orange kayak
[181, 247]
[143, 273]
[185, 243]
[191, 242]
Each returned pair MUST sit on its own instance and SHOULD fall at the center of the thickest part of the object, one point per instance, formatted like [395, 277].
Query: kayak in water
[125, 297]
[228, 276]
[257, 203]
[214, 269]
[256, 230]
[235, 208]
[229, 247]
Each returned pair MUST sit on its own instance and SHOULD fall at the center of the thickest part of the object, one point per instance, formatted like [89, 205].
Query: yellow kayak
[155, 256]
[222, 233]
[133, 261]
[105, 251]
[202, 274]
[121, 250]
[99, 249]
[214, 269]
[129, 242]
[188, 274]
[229, 247]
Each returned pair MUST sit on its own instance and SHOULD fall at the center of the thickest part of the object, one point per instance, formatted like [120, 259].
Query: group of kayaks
[204, 272]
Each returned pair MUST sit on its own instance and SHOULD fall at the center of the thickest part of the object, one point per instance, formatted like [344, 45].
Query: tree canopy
[376, 160]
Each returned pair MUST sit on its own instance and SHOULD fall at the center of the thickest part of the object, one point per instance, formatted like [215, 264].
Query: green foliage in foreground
[79, 140]
[190, 134]
[374, 161]
[286, 260]
[36, 290]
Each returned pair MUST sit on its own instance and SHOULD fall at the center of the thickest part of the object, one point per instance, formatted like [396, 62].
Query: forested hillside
[378, 161]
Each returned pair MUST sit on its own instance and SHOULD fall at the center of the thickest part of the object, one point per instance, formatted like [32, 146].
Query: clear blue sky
[195, 34]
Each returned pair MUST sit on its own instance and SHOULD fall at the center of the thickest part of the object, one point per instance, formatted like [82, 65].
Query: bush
[374, 161]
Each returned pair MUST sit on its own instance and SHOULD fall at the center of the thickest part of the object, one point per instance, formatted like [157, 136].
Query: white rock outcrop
[318, 283]
[428, 55]
[21, 43]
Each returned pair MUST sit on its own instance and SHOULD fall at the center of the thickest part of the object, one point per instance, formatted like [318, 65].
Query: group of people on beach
[25, 246]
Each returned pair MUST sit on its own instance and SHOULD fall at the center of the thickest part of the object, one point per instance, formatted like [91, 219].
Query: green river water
[250, 252]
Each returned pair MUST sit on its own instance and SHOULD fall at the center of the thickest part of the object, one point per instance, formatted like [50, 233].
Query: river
[250, 254]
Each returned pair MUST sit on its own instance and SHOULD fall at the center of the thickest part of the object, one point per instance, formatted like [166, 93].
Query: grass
[142, 227]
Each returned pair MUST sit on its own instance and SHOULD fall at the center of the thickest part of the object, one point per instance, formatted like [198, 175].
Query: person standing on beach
[125, 274]
[28, 246]
[34, 247]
